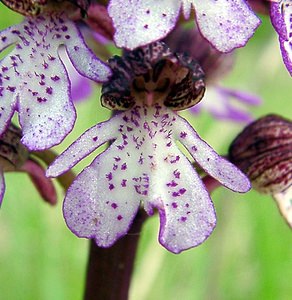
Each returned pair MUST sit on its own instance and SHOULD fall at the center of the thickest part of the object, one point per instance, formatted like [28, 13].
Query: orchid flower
[34, 81]
[143, 163]
[226, 24]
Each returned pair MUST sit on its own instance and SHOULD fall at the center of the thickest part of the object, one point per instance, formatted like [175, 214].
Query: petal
[34, 75]
[225, 24]
[222, 104]
[187, 215]
[138, 23]
[281, 17]
[2, 187]
[80, 85]
[216, 166]
[83, 146]
[44, 185]
[103, 200]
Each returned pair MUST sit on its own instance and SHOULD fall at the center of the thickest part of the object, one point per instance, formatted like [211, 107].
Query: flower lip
[153, 75]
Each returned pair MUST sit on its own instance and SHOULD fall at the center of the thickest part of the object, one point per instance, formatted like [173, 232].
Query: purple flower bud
[263, 151]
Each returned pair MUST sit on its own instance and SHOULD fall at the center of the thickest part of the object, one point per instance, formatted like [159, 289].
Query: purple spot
[3, 38]
[11, 88]
[115, 167]
[163, 15]
[176, 174]
[117, 158]
[95, 138]
[129, 128]
[183, 219]
[148, 11]
[119, 217]
[114, 205]
[15, 31]
[124, 183]
[109, 176]
[183, 135]
[40, 99]
[182, 191]
[67, 37]
[49, 90]
[111, 186]
[171, 184]
[174, 204]
[55, 78]
[76, 48]
[194, 148]
[124, 166]
[64, 28]
[146, 26]
[187, 205]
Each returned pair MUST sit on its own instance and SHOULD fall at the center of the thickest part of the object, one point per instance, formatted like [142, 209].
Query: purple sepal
[221, 103]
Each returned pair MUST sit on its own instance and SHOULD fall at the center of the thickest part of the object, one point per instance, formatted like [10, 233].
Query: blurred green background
[249, 255]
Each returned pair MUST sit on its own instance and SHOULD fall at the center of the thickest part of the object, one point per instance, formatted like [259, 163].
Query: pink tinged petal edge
[216, 166]
[2, 187]
[83, 146]
[44, 185]
[281, 18]
[226, 24]
[34, 81]
[138, 23]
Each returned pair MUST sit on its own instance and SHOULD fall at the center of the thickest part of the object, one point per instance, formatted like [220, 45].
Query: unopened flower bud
[12, 153]
[263, 151]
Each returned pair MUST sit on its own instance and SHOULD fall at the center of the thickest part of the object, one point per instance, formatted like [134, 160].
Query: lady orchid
[33, 79]
[144, 163]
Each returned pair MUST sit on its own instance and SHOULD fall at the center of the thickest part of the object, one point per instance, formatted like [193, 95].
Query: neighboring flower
[221, 102]
[281, 17]
[15, 157]
[226, 24]
[34, 81]
[263, 151]
[143, 163]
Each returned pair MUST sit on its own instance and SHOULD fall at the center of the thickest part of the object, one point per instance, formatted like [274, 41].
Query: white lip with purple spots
[144, 165]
